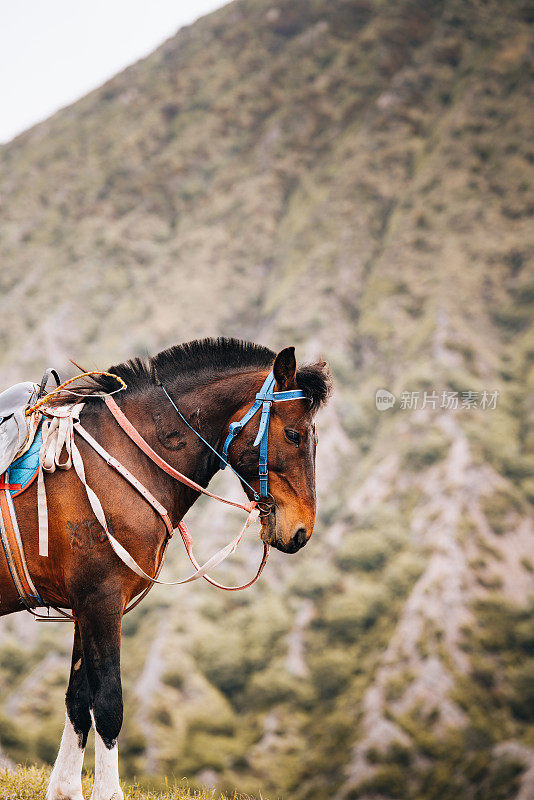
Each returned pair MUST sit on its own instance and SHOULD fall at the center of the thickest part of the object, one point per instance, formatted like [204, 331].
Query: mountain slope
[352, 178]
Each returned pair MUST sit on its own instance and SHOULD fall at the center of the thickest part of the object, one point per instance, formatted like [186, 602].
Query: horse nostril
[299, 538]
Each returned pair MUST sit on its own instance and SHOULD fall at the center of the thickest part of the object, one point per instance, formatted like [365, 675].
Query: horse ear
[285, 368]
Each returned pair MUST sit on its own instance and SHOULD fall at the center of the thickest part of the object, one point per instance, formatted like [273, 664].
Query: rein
[143, 445]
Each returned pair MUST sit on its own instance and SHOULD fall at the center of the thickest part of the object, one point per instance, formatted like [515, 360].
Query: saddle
[18, 429]
[19, 444]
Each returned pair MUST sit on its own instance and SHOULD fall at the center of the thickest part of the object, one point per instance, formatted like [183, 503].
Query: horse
[183, 402]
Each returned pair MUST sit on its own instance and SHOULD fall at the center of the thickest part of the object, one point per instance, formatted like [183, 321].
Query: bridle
[260, 506]
[264, 400]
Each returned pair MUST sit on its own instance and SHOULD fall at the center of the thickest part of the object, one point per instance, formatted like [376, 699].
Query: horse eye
[292, 436]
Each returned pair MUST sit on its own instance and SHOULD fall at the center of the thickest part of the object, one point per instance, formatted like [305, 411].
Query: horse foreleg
[66, 778]
[100, 631]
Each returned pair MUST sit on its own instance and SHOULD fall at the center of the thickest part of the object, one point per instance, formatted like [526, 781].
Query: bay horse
[211, 384]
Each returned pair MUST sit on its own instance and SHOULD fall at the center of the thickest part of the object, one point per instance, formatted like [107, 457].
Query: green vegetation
[427, 452]
[460, 767]
[496, 696]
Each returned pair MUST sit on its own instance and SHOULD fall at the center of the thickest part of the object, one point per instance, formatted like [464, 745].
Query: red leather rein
[143, 445]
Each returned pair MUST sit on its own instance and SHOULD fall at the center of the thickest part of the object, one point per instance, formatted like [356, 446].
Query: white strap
[57, 434]
[125, 556]
[212, 562]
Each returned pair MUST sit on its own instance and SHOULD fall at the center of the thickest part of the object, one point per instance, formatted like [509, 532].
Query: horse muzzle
[274, 534]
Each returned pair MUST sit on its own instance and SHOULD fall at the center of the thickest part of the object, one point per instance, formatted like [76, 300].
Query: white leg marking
[106, 785]
[66, 778]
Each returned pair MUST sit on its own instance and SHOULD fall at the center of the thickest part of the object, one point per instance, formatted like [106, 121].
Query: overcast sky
[52, 52]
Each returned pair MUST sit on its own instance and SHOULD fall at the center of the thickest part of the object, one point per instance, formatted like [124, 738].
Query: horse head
[289, 506]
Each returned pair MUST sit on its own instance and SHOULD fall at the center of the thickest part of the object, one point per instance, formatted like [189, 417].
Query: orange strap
[143, 445]
[13, 549]
[188, 542]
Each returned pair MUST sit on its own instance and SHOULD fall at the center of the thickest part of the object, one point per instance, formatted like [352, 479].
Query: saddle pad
[24, 469]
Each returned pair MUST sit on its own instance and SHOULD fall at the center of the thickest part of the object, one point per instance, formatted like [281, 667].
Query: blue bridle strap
[235, 427]
[225, 461]
[264, 399]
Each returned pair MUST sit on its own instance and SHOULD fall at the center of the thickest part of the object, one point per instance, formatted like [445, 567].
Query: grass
[29, 783]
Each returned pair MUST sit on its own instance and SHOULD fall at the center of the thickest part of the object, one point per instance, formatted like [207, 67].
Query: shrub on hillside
[312, 580]
[348, 614]
[521, 682]
[421, 455]
[271, 686]
[228, 655]
[366, 550]
[13, 659]
[223, 659]
[13, 739]
[402, 572]
[331, 672]
[497, 508]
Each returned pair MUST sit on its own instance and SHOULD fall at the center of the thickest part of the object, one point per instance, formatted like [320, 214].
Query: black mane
[201, 360]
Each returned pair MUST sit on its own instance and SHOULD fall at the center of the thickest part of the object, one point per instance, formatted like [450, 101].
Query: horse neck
[208, 408]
